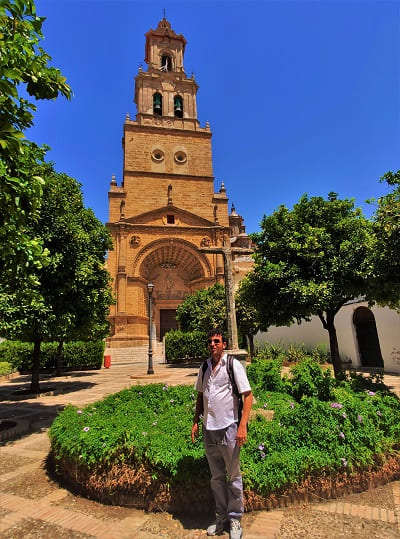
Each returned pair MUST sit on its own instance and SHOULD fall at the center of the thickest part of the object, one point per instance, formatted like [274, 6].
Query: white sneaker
[218, 527]
[235, 531]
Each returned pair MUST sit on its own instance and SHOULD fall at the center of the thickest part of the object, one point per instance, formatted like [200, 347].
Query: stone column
[121, 275]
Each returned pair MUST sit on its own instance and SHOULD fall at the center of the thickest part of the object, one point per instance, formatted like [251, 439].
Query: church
[166, 209]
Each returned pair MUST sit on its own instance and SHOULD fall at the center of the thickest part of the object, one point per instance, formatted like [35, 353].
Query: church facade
[166, 208]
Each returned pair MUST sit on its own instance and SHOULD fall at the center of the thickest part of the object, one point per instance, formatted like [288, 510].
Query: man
[223, 434]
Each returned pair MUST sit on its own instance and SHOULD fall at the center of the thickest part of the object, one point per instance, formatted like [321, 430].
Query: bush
[76, 355]
[142, 424]
[308, 379]
[266, 375]
[16, 353]
[185, 345]
[81, 354]
[354, 381]
[321, 353]
[6, 368]
[296, 353]
[271, 351]
[150, 426]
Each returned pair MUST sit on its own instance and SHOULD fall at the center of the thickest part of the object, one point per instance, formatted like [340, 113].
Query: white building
[369, 337]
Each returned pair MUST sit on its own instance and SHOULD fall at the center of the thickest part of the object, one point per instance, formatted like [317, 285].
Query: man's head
[216, 343]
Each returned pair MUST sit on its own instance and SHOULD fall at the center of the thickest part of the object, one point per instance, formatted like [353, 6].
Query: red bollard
[107, 362]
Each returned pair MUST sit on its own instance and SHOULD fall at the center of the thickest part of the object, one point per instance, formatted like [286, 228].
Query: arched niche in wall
[367, 338]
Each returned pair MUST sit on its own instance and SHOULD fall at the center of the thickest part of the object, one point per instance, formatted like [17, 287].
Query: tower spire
[165, 16]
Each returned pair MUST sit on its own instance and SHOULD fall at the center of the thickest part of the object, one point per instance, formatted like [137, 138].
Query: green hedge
[5, 368]
[181, 345]
[76, 355]
[16, 353]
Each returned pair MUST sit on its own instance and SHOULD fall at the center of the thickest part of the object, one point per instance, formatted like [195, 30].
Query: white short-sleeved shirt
[220, 402]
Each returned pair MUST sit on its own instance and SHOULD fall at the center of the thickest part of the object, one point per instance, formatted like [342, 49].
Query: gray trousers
[222, 453]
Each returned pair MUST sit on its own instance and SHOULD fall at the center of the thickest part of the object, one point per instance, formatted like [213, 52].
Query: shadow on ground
[49, 387]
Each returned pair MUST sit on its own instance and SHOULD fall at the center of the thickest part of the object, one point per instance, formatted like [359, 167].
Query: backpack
[229, 369]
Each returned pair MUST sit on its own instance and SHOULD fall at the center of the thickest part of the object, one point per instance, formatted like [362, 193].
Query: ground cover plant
[134, 447]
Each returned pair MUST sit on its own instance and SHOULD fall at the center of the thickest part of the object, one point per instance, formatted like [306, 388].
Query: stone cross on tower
[226, 250]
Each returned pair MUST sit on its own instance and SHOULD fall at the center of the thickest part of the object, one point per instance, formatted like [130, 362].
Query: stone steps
[134, 354]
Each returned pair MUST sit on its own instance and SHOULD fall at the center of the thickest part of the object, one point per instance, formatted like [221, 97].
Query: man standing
[224, 432]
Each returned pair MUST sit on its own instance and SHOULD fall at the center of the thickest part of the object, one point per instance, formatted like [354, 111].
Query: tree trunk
[333, 342]
[59, 358]
[251, 346]
[35, 388]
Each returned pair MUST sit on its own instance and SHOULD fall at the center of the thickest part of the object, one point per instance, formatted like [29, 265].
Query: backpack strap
[204, 368]
[229, 368]
[231, 374]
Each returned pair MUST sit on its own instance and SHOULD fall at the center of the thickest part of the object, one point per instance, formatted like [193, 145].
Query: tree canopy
[384, 285]
[71, 294]
[25, 71]
[246, 314]
[310, 260]
[203, 310]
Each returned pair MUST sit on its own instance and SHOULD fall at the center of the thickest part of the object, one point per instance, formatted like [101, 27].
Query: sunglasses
[215, 341]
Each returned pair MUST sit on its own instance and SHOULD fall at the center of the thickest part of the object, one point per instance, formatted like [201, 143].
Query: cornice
[171, 175]
[168, 230]
[132, 125]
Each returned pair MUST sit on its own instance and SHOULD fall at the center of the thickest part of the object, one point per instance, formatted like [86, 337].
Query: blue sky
[301, 96]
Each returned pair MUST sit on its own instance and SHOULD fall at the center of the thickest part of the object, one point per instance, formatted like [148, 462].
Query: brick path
[84, 388]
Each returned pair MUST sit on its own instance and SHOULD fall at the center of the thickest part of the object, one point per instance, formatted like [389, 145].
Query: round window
[180, 157]
[157, 155]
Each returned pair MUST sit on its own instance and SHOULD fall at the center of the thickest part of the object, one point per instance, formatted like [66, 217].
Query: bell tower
[165, 209]
[164, 89]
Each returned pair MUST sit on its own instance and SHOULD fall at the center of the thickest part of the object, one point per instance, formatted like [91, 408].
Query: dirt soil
[300, 523]
[33, 529]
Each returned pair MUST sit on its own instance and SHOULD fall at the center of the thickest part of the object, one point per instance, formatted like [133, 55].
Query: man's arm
[242, 428]
[197, 414]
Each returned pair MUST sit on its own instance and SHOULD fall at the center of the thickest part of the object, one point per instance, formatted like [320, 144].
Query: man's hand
[195, 431]
[241, 435]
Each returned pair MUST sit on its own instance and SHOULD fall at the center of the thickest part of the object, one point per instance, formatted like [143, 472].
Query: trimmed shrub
[76, 355]
[181, 345]
[6, 368]
[16, 353]
[81, 354]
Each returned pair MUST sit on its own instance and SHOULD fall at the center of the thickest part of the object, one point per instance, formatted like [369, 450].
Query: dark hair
[216, 331]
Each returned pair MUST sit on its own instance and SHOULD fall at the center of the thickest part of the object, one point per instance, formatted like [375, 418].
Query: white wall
[312, 333]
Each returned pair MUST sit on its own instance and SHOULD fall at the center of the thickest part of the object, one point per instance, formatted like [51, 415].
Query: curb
[22, 426]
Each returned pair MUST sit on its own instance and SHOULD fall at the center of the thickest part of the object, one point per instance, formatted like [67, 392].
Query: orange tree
[25, 72]
[71, 292]
[309, 261]
[384, 286]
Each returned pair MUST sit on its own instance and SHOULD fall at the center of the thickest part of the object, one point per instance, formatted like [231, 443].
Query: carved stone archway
[176, 268]
[179, 252]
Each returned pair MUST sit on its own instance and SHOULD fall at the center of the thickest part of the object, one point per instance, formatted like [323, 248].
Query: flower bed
[134, 448]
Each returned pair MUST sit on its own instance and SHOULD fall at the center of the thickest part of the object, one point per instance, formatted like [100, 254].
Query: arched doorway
[367, 338]
[176, 269]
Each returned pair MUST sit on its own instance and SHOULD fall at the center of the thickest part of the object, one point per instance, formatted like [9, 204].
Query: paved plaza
[53, 511]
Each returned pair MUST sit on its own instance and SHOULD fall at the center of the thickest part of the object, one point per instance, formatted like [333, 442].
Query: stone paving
[34, 416]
